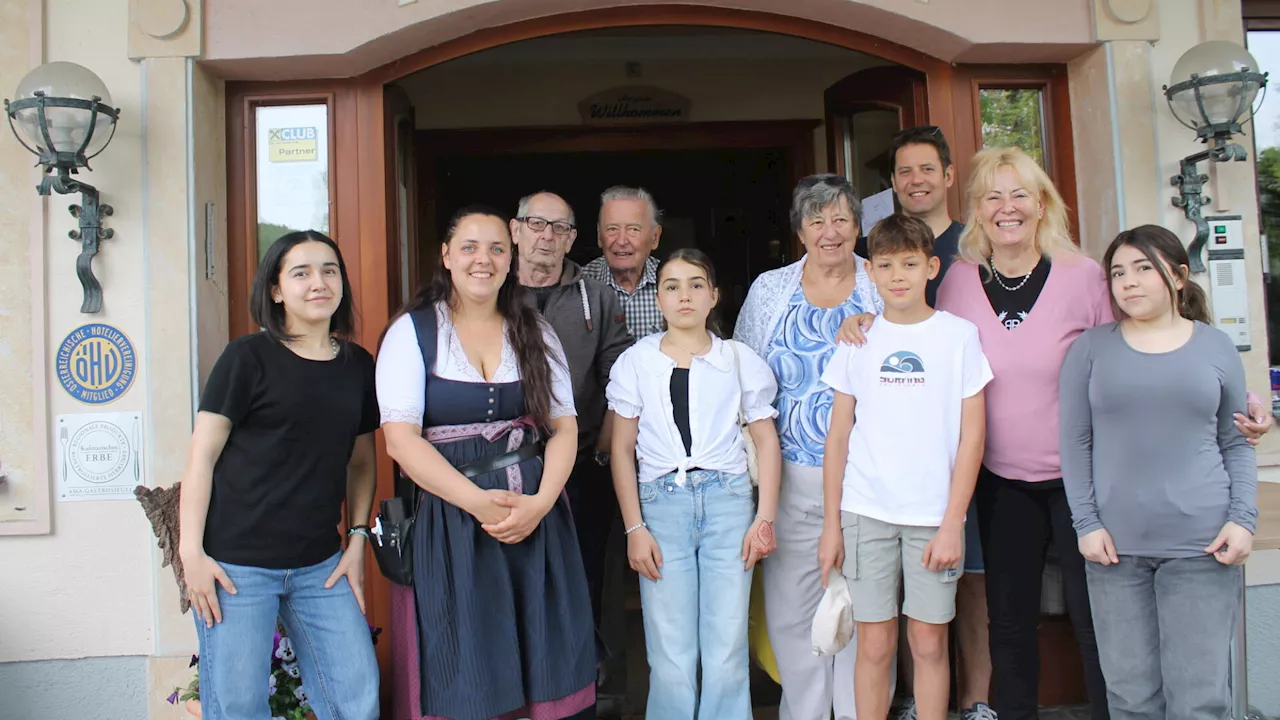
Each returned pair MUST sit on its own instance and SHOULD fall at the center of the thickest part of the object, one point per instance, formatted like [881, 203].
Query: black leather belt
[498, 462]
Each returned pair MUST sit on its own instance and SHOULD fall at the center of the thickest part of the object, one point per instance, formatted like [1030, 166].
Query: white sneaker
[979, 711]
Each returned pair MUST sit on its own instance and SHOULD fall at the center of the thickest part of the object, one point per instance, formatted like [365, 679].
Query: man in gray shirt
[589, 321]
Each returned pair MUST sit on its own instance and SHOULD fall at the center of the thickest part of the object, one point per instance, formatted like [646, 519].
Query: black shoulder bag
[393, 528]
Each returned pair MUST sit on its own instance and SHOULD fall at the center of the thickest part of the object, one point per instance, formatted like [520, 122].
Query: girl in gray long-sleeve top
[1162, 486]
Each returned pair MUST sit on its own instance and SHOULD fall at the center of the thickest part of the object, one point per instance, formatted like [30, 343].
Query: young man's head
[922, 170]
[902, 261]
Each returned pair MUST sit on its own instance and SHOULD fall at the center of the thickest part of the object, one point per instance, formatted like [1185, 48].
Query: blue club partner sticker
[96, 364]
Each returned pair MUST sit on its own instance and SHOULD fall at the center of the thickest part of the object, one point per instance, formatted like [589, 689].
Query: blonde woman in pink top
[1031, 292]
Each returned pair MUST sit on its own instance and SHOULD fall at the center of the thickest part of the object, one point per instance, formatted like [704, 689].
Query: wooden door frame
[361, 220]
[1059, 149]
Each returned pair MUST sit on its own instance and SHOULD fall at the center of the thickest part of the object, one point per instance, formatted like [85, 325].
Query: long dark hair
[702, 261]
[1167, 253]
[524, 326]
[270, 315]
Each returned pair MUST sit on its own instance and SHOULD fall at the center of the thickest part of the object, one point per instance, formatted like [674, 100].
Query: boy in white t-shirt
[897, 483]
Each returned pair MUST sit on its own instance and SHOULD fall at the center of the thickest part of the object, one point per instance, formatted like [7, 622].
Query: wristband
[634, 528]
[359, 530]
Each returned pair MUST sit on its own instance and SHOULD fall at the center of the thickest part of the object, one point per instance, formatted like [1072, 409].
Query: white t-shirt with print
[909, 382]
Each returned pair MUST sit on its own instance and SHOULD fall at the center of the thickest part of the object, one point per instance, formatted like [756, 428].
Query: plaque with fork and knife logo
[98, 455]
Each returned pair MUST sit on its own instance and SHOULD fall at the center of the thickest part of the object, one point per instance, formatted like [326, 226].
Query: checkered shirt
[641, 306]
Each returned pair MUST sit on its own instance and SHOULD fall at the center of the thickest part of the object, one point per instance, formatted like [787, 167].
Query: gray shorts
[880, 557]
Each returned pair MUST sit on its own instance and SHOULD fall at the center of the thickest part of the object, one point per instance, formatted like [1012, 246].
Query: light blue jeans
[329, 636]
[699, 606]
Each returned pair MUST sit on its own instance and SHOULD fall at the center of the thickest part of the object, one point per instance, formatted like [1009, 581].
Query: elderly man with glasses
[592, 328]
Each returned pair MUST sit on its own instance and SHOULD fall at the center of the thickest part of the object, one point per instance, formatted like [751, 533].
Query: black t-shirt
[1012, 306]
[680, 406]
[945, 247]
[279, 484]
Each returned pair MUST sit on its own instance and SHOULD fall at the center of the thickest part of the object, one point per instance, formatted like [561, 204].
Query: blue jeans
[700, 604]
[329, 635]
[1164, 635]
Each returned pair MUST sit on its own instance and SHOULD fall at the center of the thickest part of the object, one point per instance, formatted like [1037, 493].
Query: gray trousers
[812, 686]
[1164, 629]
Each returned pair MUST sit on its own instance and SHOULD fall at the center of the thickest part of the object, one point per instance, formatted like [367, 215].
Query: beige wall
[86, 588]
[1149, 159]
[92, 585]
[24, 505]
[336, 38]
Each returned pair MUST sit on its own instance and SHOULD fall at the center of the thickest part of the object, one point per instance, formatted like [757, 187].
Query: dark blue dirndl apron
[500, 627]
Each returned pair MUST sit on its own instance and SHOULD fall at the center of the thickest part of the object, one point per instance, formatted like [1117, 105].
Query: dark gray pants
[1164, 629]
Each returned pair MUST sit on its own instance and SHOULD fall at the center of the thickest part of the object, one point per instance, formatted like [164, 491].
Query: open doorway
[732, 203]
[507, 122]
[756, 112]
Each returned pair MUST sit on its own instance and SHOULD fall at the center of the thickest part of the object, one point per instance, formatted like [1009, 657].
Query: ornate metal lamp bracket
[1190, 198]
[89, 213]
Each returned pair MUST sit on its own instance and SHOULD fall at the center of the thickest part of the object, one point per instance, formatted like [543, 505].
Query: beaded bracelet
[634, 528]
[359, 530]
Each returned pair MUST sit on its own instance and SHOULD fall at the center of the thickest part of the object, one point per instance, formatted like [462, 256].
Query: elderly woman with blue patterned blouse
[790, 318]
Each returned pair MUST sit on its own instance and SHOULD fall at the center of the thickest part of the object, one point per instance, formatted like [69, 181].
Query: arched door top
[250, 40]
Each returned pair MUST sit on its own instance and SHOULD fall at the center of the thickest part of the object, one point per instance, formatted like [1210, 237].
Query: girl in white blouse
[694, 532]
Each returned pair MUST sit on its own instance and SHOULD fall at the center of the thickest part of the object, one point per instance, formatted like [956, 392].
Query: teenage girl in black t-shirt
[283, 437]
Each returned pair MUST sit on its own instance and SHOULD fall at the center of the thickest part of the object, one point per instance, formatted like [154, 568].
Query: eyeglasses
[538, 224]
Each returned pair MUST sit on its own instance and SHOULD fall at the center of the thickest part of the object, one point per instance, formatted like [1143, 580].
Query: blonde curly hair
[1053, 233]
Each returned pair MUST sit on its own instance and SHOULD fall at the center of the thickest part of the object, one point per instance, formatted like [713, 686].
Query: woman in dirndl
[477, 410]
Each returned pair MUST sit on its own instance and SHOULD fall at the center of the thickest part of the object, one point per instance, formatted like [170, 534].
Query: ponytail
[1193, 304]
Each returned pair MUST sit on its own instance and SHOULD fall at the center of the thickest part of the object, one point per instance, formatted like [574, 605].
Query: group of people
[917, 414]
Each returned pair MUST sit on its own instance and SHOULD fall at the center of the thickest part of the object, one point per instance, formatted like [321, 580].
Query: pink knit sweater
[1022, 400]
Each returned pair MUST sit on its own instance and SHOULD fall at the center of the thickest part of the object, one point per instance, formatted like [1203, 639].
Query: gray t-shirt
[1149, 447]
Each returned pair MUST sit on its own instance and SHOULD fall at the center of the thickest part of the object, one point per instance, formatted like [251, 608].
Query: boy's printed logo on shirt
[902, 368]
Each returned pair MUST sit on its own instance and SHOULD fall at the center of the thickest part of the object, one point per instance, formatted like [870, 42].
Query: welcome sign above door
[634, 105]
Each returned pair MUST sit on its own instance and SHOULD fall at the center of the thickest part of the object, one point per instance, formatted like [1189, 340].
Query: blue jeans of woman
[327, 633]
[697, 610]
[1164, 635]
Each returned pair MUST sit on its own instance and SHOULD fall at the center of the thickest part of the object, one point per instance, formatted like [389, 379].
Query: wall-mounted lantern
[1213, 88]
[62, 114]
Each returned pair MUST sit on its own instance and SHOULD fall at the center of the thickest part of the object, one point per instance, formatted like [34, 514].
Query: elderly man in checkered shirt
[628, 234]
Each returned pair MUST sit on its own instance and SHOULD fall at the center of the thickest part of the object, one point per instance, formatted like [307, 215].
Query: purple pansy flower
[173, 699]
[284, 650]
[271, 684]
